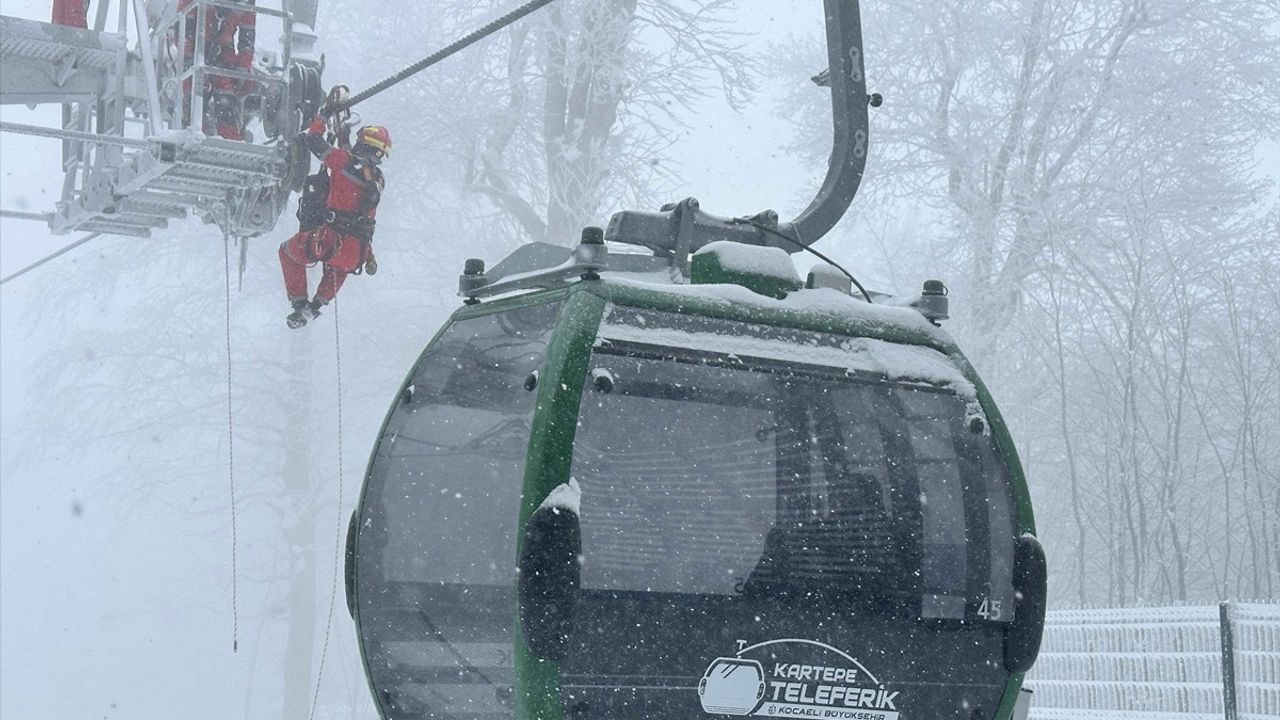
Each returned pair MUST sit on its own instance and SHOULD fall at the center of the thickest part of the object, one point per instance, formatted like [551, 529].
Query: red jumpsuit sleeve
[332, 157]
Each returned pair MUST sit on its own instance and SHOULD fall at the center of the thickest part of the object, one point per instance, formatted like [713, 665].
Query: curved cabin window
[768, 476]
[436, 557]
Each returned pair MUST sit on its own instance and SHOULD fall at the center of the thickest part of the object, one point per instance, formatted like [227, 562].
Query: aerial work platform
[138, 145]
[46, 63]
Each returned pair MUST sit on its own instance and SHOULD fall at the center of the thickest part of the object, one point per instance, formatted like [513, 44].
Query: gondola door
[678, 496]
[432, 582]
[755, 541]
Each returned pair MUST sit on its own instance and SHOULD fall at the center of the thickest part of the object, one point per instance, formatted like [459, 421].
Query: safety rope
[231, 445]
[49, 257]
[441, 54]
[417, 67]
[337, 545]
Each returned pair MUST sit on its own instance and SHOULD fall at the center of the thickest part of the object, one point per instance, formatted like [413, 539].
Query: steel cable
[445, 52]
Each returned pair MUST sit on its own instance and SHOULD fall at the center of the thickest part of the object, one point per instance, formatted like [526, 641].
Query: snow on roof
[565, 496]
[752, 259]
[895, 361]
[829, 274]
[823, 303]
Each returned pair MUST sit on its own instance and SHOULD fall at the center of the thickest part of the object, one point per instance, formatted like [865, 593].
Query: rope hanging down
[337, 542]
[445, 52]
[231, 447]
[432, 59]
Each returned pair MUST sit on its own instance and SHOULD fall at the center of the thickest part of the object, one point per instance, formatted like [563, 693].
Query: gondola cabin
[632, 487]
[673, 481]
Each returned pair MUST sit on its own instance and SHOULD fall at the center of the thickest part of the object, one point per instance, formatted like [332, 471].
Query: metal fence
[1173, 663]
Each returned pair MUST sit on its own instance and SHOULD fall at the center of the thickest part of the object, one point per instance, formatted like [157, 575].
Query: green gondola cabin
[615, 497]
[673, 481]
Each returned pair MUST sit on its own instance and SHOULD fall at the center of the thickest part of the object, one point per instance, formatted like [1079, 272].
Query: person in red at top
[229, 43]
[72, 13]
[343, 241]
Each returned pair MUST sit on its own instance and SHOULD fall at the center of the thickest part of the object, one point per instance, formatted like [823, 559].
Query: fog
[1099, 186]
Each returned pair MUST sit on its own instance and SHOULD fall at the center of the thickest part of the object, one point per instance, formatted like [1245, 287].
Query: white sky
[721, 166]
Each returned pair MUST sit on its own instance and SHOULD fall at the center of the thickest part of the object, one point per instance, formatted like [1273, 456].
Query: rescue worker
[342, 242]
[229, 44]
[72, 13]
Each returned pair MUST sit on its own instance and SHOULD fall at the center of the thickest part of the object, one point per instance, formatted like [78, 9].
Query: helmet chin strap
[367, 154]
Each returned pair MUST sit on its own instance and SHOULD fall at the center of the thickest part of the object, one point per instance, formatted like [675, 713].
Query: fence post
[1228, 661]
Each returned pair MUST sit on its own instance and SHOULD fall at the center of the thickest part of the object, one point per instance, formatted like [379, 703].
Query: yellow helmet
[376, 137]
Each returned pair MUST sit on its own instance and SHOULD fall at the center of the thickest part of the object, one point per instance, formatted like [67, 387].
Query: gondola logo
[780, 678]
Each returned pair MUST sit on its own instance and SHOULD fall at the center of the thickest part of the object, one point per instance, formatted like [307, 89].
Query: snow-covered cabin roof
[816, 303]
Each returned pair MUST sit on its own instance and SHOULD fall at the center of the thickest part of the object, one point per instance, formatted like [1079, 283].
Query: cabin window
[678, 476]
[727, 475]
[447, 477]
[437, 544]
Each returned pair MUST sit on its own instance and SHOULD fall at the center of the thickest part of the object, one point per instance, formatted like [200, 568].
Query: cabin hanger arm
[682, 228]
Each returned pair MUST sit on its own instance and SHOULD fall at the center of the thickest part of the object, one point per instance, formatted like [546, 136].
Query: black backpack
[313, 204]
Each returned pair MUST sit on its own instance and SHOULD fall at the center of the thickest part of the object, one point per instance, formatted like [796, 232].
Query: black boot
[301, 314]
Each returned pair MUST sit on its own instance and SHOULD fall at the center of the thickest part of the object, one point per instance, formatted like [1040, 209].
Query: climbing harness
[353, 223]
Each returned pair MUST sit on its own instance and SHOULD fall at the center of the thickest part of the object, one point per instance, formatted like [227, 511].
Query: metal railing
[1175, 663]
[183, 79]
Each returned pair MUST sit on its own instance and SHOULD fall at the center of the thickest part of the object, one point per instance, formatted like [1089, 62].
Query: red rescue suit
[229, 43]
[72, 13]
[343, 241]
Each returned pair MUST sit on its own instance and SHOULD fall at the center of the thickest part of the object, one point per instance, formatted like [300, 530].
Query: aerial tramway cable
[442, 53]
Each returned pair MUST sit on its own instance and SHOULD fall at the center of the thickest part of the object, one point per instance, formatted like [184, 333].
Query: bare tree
[566, 116]
[1090, 171]
[609, 75]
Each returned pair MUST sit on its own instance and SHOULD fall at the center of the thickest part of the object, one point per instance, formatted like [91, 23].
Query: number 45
[991, 609]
